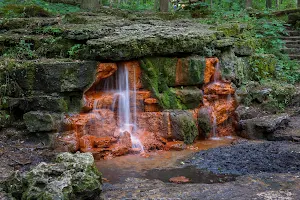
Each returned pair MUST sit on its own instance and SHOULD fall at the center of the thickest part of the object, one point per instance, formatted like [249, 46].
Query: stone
[141, 40]
[155, 122]
[190, 97]
[204, 121]
[183, 126]
[39, 121]
[70, 176]
[50, 76]
[67, 141]
[210, 69]
[219, 88]
[189, 71]
[224, 43]
[175, 146]
[179, 179]
[261, 127]
[249, 112]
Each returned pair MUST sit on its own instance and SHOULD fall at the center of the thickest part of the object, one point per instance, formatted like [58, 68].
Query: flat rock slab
[261, 186]
[104, 36]
[291, 133]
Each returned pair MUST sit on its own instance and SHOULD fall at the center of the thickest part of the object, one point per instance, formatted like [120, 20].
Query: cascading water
[127, 120]
[123, 100]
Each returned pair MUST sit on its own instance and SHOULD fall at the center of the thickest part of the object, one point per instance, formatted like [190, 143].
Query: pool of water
[162, 165]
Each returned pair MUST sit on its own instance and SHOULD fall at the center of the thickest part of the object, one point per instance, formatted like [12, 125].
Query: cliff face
[49, 63]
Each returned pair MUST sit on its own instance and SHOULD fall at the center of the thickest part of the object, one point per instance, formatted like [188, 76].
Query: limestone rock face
[261, 127]
[37, 121]
[72, 176]
[183, 126]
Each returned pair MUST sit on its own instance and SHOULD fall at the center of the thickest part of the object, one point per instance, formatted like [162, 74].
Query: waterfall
[125, 99]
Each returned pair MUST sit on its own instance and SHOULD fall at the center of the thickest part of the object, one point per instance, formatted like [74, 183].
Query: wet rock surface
[267, 170]
[261, 186]
[250, 158]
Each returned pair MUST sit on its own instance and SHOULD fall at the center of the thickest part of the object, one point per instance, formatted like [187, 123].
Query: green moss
[15, 10]
[230, 29]
[74, 18]
[190, 131]
[158, 74]
[63, 105]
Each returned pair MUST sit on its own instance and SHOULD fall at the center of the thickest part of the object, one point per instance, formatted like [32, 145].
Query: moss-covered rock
[232, 29]
[204, 122]
[261, 127]
[49, 75]
[72, 176]
[190, 97]
[273, 96]
[161, 74]
[183, 126]
[37, 121]
[13, 10]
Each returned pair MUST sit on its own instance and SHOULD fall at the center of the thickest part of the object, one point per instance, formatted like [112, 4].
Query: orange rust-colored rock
[143, 94]
[175, 145]
[219, 88]
[150, 141]
[179, 179]
[155, 122]
[134, 73]
[122, 147]
[151, 105]
[181, 72]
[210, 69]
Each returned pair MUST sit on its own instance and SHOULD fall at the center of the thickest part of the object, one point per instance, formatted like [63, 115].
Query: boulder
[190, 97]
[39, 121]
[183, 126]
[48, 76]
[248, 112]
[261, 127]
[72, 176]
[205, 124]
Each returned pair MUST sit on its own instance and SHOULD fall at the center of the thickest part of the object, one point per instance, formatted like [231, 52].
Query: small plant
[23, 50]
[74, 50]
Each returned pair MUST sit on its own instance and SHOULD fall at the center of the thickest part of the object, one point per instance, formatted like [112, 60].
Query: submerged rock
[72, 176]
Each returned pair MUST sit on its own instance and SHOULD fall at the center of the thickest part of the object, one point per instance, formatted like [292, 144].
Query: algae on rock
[72, 176]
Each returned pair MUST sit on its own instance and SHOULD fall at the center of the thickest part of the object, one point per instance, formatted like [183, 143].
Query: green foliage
[74, 50]
[23, 50]
[49, 30]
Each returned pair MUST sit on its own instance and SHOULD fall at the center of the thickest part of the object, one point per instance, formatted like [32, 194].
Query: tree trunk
[163, 5]
[298, 3]
[277, 3]
[248, 3]
[268, 3]
[90, 4]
